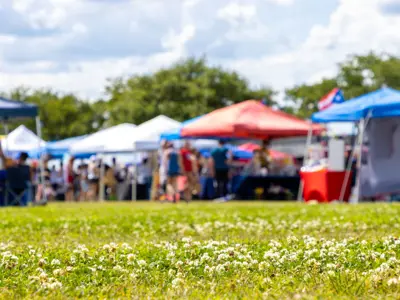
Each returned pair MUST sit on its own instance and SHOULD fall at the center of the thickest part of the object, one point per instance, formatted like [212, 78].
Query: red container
[325, 185]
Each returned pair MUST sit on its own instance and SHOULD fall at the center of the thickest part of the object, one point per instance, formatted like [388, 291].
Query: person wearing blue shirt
[174, 167]
[221, 160]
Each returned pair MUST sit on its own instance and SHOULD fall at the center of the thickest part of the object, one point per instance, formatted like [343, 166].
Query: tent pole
[348, 172]
[134, 176]
[101, 182]
[41, 162]
[361, 129]
[6, 132]
[306, 151]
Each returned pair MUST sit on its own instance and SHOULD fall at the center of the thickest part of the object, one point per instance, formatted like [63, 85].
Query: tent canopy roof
[248, 119]
[175, 134]
[23, 140]
[99, 141]
[16, 109]
[384, 102]
[145, 137]
[58, 149]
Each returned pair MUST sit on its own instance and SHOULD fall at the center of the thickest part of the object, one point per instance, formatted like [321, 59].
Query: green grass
[200, 251]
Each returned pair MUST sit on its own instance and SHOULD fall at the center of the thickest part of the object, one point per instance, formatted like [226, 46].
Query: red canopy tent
[250, 147]
[248, 119]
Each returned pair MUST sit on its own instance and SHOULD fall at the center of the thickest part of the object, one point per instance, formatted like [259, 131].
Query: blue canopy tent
[176, 133]
[381, 103]
[58, 149]
[383, 106]
[16, 109]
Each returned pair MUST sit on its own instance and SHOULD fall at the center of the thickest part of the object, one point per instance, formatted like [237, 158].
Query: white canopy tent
[101, 141]
[146, 136]
[23, 140]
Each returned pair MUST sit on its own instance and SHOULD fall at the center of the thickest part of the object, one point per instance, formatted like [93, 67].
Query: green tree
[187, 89]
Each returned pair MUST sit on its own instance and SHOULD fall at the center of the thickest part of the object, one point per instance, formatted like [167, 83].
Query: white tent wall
[379, 168]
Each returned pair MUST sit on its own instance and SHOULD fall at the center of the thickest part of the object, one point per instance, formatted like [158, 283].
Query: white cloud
[175, 40]
[355, 27]
[87, 41]
[236, 14]
[243, 20]
[282, 2]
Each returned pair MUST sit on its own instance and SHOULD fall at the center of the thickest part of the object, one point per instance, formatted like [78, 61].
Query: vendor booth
[252, 120]
[377, 114]
[15, 181]
[175, 136]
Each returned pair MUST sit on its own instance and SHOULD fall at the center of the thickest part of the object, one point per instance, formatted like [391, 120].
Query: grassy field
[200, 251]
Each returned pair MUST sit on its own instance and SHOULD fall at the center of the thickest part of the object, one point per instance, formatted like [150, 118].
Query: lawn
[200, 251]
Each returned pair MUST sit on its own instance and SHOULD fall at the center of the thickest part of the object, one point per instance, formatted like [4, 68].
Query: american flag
[335, 96]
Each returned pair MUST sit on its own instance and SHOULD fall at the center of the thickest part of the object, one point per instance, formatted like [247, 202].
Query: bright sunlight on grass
[200, 251]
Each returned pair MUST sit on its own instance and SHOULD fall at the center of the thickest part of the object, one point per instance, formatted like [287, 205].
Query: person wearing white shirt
[143, 180]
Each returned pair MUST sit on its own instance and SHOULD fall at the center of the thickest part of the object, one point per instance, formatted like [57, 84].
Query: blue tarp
[176, 134]
[236, 152]
[384, 102]
[16, 109]
[58, 149]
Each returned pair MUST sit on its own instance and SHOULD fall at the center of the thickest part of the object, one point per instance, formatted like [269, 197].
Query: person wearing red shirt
[189, 170]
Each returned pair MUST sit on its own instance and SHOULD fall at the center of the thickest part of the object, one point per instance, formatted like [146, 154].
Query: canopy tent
[175, 135]
[11, 109]
[378, 115]
[384, 102]
[16, 109]
[145, 137]
[58, 149]
[23, 140]
[245, 120]
[100, 141]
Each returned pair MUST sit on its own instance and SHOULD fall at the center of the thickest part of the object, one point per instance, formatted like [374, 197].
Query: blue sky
[75, 45]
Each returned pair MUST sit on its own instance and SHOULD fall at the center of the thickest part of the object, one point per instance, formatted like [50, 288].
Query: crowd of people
[183, 173]
[209, 176]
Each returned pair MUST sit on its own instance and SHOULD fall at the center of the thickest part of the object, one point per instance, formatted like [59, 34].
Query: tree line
[192, 87]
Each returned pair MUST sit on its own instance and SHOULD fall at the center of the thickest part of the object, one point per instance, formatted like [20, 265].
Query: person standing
[189, 170]
[265, 158]
[144, 179]
[93, 177]
[173, 162]
[221, 161]
[162, 174]
[69, 179]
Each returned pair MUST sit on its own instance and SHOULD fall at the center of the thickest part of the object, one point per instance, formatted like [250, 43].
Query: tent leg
[101, 181]
[134, 176]
[361, 130]
[347, 174]
[41, 162]
[308, 143]
[6, 132]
